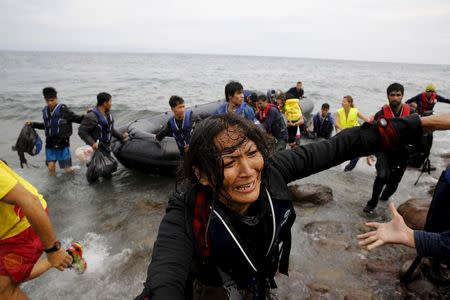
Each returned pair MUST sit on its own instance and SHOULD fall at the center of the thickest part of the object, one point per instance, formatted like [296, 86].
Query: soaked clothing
[179, 260]
[296, 93]
[273, 122]
[390, 165]
[429, 103]
[58, 128]
[430, 244]
[19, 254]
[323, 126]
[91, 130]
[61, 155]
[168, 130]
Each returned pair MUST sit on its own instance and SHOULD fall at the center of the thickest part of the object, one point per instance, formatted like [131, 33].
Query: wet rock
[431, 190]
[325, 228]
[310, 193]
[415, 275]
[319, 287]
[359, 295]
[334, 244]
[423, 289]
[414, 212]
[378, 266]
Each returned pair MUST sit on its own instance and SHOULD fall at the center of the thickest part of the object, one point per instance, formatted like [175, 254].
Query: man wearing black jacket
[390, 165]
[58, 119]
[97, 127]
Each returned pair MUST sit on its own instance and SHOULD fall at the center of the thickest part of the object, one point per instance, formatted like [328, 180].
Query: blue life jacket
[53, 121]
[182, 135]
[105, 125]
[236, 262]
[323, 127]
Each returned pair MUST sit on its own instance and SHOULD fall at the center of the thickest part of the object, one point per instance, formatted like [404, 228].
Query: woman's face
[242, 169]
[345, 103]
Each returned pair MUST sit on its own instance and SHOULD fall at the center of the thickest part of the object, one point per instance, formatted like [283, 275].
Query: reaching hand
[393, 232]
[95, 146]
[59, 259]
[125, 136]
[28, 122]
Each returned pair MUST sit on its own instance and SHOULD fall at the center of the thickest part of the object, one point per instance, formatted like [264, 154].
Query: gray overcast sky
[397, 31]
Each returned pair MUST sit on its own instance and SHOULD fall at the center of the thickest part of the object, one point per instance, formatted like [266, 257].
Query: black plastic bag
[102, 164]
[27, 142]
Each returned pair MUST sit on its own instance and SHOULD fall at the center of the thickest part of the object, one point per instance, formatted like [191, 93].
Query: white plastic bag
[84, 153]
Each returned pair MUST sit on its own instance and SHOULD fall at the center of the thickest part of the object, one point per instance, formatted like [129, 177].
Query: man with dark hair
[180, 125]
[58, 119]
[97, 127]
[323, 122]
[234, 102]
[390, 165]
[272, 120]
[297, 90]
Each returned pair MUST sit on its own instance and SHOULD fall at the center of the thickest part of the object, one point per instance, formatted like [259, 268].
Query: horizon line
[219, 54]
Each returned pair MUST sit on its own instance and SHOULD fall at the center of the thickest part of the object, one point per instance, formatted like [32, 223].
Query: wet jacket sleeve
[70, 116]
[173, 250]
[430, 244]
[415, 99]
[115, 133]
[166, 131]
[348, 144]
[249, 113]
[38, 125]
[442, 99]
[87, 126]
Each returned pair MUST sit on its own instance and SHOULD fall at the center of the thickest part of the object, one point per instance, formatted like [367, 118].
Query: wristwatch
[56, 247]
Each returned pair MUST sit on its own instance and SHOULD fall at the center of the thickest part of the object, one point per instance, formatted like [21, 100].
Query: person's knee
[9, 290]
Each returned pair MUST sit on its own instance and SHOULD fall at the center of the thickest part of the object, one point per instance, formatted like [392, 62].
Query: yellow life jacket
[12, 219]
[292, 109]
[348, 121]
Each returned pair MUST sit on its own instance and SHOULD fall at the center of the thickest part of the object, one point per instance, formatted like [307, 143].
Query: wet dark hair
[253, 97]
[231, 88]
[325, 106]
[49, 93]
[262, 97]
[102, 98]
[175, 100]
[395, 87]
[204, 155]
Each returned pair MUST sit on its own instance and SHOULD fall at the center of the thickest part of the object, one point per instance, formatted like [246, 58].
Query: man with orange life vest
[425, 101]
[390, 165]
[272, 120]
[424, 105]
[180, 125]
[25, 232]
